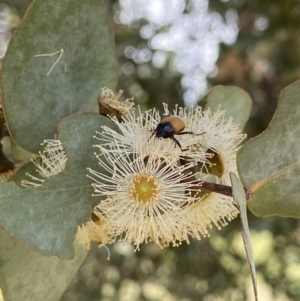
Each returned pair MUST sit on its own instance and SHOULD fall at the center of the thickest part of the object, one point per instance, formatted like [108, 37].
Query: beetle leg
[176, 142]
[192, 133]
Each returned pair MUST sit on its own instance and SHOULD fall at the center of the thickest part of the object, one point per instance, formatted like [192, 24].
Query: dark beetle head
[164, 130]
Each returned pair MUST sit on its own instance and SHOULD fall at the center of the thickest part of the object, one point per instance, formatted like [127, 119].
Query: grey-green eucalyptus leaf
[26, 275]
[46, 217]
[19, 153]
[235, 101]
[269, 164]
[58, 60]
[22, 174]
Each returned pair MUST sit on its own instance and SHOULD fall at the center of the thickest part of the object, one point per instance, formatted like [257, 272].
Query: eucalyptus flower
[146, 198]
[93, 230]
[50, 162]
[151, 189]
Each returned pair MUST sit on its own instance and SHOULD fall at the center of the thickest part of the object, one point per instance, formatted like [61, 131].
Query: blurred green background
[173, 51]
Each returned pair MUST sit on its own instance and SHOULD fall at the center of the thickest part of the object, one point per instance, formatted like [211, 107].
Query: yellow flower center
[144, 189]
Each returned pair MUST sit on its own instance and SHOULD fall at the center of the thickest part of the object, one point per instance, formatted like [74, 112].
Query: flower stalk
[220, 188]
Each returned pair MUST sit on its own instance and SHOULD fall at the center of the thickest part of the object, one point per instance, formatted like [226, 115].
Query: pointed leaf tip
[239, 196]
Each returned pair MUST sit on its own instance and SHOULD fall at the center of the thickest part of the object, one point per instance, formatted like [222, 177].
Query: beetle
[169, 126]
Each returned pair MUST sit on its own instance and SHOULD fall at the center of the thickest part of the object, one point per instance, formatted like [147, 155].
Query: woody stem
[222, 189]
